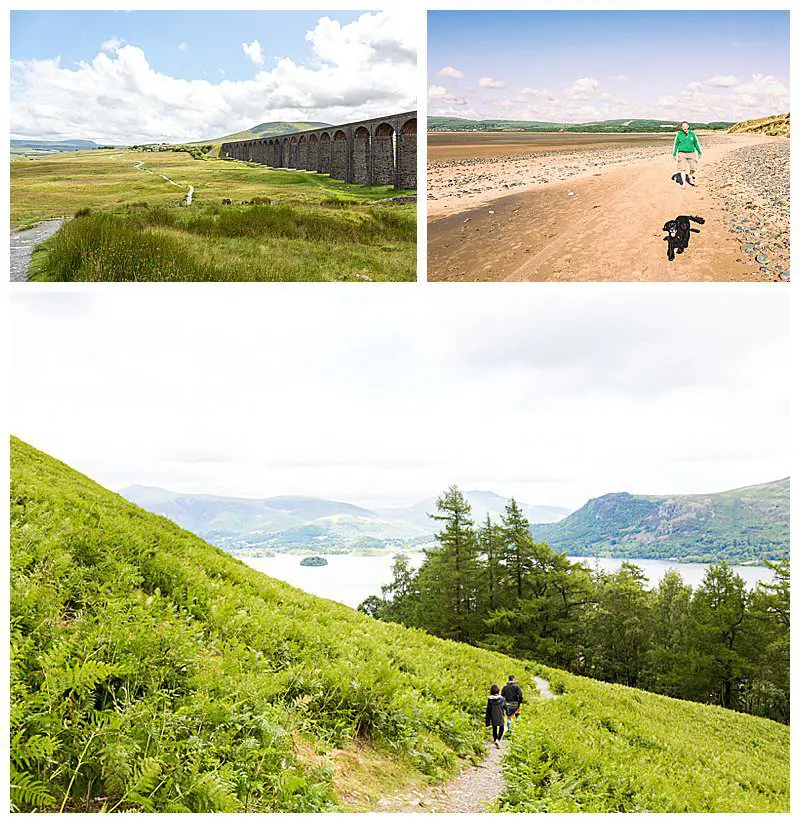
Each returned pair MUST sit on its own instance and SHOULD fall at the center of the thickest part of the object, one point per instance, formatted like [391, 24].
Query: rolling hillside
[742, 526]
[605, 126]
[280, 523]
[152, 672]
[270, 129]
[777, 125]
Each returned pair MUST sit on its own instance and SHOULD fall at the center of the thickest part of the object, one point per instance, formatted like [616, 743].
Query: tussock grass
[317, 229]
[233, 243]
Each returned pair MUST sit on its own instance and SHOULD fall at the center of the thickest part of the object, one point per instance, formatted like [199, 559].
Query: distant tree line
[196, 152]
[492, 586]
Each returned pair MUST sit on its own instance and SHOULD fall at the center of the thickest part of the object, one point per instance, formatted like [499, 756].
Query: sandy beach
[595, 212]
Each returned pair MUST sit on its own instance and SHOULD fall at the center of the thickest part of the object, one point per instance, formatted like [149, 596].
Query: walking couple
[503, 708]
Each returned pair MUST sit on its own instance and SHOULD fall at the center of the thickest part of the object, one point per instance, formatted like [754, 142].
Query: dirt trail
[475, 789]
[24, 242]
[601, 227]
[189, 193]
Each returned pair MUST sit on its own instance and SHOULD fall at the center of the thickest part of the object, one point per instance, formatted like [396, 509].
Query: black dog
[678, 232]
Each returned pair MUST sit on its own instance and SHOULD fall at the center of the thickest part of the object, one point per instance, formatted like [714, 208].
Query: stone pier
[377, 152]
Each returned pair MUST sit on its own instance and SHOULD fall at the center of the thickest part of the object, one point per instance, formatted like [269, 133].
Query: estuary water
[350, 579]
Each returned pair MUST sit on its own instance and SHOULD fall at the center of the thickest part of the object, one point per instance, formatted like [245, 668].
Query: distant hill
[742, 526]
[278, 523]
[776, 125]
[604, 126]
[151, 672]
[47, 146]
[482, 503]
[270, 129]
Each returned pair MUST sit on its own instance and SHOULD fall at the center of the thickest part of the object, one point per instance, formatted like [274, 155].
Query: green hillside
[777, 125]
[270, 129]
[153, 672]
[743, 525]
[604, 126]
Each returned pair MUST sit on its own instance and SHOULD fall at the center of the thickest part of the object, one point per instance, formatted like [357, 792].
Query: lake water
[349, 580]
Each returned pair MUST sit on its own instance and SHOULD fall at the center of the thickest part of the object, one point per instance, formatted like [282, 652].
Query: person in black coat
[496, 710]
[513, 696]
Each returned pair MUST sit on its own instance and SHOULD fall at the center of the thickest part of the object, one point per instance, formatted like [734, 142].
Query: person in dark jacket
[496, 710]
[513, 697]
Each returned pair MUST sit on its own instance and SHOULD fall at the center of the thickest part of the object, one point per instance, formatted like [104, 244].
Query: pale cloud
[441, 93]
[112, 44]
[543, 94]
[449, 71]
[253, 51]
[722, 81]
[183, 47]
[582, 89]
[363, 69]
[621, 77]
[489, 83]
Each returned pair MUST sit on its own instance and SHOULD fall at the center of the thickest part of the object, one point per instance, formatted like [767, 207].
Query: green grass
[153, 672]
[600, 747]
[317, 229]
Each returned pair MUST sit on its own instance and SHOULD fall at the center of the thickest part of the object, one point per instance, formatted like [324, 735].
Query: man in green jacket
[687, 151]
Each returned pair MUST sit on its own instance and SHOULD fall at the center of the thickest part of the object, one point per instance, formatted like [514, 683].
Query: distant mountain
[275, 522]
[482, 503]
[622, 126]
[270, 129]
[280, 523]
[775, 126]
[742, 526]
[39, 146]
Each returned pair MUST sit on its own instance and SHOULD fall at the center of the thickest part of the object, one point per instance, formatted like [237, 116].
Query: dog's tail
[697, 219]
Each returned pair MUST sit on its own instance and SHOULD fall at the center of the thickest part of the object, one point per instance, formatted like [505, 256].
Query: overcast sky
[578, 66]
[127, 77]
[386, 395]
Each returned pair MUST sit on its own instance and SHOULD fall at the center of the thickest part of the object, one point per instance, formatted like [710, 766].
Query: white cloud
[543, 94]
[642, 363]
[449, 71]
[621, 77]
[253, 51]
[183, 47]
[582, 89]
[441, 93]
[722, 81]
[489, 83]
[112, 44]
[363, 69]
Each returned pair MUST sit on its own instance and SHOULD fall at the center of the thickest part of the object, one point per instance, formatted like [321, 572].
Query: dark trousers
[497, 732]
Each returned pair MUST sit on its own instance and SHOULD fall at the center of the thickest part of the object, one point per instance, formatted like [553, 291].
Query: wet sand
[591, 214]
[460, 145]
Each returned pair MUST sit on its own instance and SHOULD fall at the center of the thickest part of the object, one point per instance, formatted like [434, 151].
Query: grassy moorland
[134, 225]
[152, 672]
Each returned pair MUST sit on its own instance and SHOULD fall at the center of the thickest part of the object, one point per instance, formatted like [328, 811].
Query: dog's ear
[665, 226]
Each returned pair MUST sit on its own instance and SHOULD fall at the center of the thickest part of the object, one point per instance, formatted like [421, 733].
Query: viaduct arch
[377, 152]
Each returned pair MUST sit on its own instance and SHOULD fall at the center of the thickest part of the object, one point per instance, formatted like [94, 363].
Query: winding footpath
[24, 242]
[475, 790]
[189, 193]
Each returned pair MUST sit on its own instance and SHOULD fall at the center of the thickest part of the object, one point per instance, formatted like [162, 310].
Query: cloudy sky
[553, 395]
[578, 66]
[127, 77]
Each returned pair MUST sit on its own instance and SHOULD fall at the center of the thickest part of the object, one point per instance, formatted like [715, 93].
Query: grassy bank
[153, 672]
[316, 228]
[601, 747]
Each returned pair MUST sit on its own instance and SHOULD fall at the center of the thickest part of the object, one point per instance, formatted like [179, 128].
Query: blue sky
[127, 77]
[213, 40]
[579, 65]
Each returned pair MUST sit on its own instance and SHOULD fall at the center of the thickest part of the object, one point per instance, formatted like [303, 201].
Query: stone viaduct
[378, 152]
